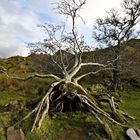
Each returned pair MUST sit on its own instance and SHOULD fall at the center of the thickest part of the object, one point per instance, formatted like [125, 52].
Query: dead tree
[65, 50]
[115, 30]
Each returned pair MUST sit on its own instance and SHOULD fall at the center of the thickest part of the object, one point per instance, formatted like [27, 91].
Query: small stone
[137, 131]
[44, 138]
[13, 134]
[16, 105]
[90, 134]
[132, 134]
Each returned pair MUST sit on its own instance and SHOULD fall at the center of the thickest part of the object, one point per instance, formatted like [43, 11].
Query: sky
[19, 20]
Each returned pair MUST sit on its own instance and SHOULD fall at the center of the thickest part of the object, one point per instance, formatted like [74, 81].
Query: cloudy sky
[19, 20]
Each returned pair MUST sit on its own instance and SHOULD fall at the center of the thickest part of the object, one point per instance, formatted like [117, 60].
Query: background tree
[115, 30]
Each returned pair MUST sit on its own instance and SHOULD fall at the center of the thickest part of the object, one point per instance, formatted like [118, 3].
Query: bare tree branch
[34, 76]
[90, 73]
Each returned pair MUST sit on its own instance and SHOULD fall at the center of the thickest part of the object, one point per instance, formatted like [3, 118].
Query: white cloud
[97, 8]
[15, 21]
[91, 10]
[19, 19]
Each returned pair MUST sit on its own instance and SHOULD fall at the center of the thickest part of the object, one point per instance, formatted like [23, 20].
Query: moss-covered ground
[59, 126]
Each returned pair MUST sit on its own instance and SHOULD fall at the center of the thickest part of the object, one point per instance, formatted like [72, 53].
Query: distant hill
[129, 64]
[129, 60]
[17, 98]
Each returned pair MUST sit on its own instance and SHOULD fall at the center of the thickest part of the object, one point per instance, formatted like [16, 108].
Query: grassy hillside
[17, 98]
[129, 62]
[63, 125]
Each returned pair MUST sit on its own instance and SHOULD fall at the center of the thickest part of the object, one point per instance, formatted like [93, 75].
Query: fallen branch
[34, 76]
[96, 109]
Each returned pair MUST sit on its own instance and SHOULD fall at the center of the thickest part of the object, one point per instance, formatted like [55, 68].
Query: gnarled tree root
[44, 106]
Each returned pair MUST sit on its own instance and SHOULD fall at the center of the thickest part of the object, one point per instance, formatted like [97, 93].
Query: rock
[13, 134]
[16, 105]
[44, 138]
[132, 134]
[137, 131]
[98, 88]
[10, 133]
[90, 134]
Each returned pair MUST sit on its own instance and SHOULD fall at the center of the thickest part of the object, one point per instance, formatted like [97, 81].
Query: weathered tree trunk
[116, 78]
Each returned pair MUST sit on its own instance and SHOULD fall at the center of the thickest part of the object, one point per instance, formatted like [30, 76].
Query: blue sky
[19, 20]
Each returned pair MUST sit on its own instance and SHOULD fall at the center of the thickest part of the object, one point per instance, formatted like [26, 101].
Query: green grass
[64, 126]
[61, 126]
[9, 95]
[74, 126]
[131, 104]
[13, 90]
[5, 122]
[2, 134]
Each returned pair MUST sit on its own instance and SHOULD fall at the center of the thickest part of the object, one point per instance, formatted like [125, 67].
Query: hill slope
[65, 125]
[129, 64]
